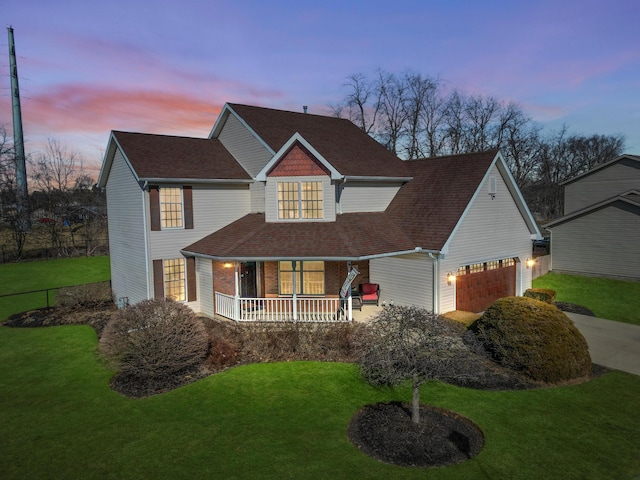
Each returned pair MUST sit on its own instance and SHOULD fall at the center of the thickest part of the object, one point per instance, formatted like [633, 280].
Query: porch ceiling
[351, 236]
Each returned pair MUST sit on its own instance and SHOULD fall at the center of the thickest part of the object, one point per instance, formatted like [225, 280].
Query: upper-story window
[171, 208]
[171, 213]
[300, 200]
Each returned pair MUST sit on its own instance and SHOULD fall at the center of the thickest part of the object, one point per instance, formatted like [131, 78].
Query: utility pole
[22, 193]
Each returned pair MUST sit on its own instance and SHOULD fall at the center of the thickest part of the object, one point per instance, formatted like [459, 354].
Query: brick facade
[334, 275]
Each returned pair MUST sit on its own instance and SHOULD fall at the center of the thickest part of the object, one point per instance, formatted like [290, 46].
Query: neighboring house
[599, 232]
[266, 217]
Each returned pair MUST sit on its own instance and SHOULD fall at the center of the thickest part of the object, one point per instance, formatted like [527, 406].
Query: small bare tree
[409, 343]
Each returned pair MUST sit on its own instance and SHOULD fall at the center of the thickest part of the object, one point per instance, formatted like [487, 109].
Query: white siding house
[266, 217]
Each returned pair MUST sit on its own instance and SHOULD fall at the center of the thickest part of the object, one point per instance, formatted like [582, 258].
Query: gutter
[227, 258]
[360, 178]
[189, 181]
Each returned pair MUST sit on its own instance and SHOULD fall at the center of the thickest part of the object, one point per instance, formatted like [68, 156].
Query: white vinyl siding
[257, 197]
[125, 208]
[365, 197]
[404, 280]
[601, 185]
[491, 229]
[244, 146]
[603, 242]
[214, 207]
[204, 276]
[271, 198]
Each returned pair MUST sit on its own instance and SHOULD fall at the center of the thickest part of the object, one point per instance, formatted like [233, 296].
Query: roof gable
[442, 191]
[629, 200]
[298, 162]
[298, 141]
[632, 161]
[169, 158]
[338, 141]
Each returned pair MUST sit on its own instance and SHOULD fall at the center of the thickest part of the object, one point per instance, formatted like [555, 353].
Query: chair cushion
[369, 289]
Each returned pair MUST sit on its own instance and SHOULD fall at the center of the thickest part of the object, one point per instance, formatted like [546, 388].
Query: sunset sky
[87, 67]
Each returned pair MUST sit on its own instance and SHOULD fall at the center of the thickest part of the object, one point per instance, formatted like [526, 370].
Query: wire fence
[12, 303]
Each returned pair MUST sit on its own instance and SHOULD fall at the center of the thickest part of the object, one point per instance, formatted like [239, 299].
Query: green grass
[30, 276]
[611, 299]
[286, 420]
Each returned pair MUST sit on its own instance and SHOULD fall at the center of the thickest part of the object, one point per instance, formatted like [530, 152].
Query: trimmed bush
[84, 296]
[155, 340]
[542, 294]
[535, 338]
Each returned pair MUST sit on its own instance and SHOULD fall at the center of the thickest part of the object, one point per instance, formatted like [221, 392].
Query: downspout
[435, 285]
[147, 255]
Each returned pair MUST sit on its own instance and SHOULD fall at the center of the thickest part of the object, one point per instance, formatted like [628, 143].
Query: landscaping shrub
[299, 341]
[535, 338]
[84, 296]
[155, 342]
[542, 294]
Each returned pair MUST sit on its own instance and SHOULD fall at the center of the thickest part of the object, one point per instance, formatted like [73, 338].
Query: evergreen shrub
[535, 338]
[542, 294]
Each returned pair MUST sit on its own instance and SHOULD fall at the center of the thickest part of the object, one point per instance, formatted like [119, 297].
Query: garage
[478, 285]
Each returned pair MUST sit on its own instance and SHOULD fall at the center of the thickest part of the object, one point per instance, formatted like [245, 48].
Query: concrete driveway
[612, 344]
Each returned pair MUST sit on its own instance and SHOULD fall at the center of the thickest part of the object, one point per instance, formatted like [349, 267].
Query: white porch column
[295, 289]
[237, 291]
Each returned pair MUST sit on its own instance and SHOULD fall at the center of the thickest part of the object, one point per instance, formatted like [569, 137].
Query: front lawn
[611, 299]
[282, 420]
[30, 276]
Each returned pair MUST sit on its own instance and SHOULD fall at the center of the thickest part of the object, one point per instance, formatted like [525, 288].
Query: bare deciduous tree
[414, 117]
[411, 344]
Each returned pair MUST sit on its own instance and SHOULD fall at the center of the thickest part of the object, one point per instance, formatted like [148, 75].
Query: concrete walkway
[612, 344]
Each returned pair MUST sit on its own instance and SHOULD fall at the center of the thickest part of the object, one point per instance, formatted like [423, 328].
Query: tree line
[417, 116]
[67, 211]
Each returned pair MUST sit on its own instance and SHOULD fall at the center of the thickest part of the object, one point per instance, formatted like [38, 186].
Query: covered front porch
[289, 291]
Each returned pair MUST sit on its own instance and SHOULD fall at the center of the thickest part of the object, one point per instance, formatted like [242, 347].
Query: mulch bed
[386, 432]
[573, 308]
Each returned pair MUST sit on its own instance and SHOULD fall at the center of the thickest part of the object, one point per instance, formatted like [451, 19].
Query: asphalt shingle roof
[352, 235]
[164, 156]
[423, 214]
[345, 146]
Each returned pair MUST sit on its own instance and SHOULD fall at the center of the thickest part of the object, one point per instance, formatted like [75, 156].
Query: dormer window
[300, 200]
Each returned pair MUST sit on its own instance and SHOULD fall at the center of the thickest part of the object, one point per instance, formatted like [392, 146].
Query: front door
[248, 284]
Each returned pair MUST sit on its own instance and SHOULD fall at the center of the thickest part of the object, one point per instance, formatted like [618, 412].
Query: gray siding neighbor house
[267, 217]
[600, 230]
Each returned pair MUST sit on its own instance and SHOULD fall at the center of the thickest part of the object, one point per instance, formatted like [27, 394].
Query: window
[300, 200]
[171, 207]
[482, 267]
[174, 279]
[309, 277]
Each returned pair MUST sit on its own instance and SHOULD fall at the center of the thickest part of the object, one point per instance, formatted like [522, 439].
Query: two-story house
[598, 234]
[265, 218]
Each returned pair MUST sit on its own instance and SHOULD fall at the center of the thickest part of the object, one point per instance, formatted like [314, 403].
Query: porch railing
[282, 309]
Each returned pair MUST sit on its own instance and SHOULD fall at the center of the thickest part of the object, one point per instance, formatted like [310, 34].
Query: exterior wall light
[451, 278]
[530, 262]
[227, 265]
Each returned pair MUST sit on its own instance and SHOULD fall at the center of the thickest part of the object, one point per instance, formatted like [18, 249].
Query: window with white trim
[300, 200]
[174, 279]
[484, 266]
[309, 276]
[171, 211]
